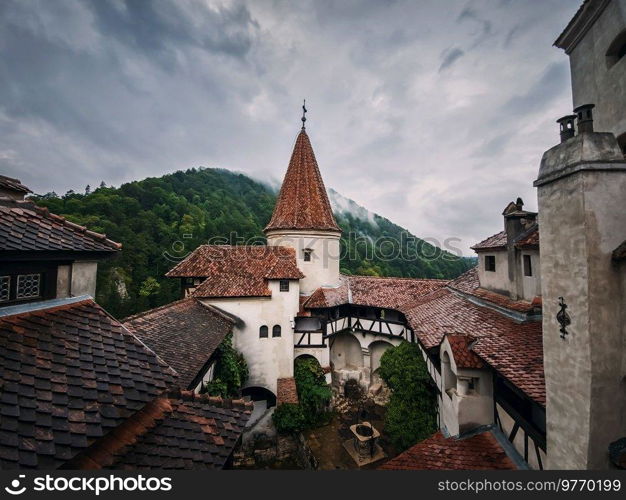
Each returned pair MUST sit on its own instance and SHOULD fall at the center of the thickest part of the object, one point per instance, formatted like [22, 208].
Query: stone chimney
[584, 114]
[580, 189]
[567, 128]
[516, 221]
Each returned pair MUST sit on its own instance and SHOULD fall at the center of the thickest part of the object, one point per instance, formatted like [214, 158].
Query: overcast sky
[433, 114]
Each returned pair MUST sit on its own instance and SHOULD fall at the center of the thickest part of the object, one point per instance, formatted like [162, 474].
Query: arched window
[617, 50]
[263, 332]
[449, 378]
[276, 331]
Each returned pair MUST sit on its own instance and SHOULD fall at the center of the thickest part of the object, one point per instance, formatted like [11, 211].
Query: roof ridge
[45, 213]
[154, 309]
[394, 278]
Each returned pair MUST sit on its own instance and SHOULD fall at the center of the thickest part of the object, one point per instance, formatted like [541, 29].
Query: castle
[526, 350]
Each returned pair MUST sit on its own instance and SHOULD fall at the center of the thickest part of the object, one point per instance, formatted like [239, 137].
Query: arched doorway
[377, 349]
[346, 352]
[260, 394]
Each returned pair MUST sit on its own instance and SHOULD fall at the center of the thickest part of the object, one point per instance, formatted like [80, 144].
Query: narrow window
[263, 332]
[528, 266]
[28, 286]
[5, 288]
[284, 285]
[490, 263]
[276, 331]
[307, 254]
[617, 50]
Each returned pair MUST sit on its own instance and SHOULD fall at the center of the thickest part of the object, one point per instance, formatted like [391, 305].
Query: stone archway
[346, 353]
[377, 349]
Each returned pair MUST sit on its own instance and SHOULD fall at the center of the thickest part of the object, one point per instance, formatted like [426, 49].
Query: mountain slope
[160, 220]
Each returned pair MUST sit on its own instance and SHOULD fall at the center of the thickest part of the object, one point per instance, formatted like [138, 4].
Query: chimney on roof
[585, 118]
[566, 125]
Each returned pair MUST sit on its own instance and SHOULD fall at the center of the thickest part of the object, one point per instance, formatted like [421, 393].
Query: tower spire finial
[303, 113]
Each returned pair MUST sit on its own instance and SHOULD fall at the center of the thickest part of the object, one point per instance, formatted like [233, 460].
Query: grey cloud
[449, 57]
[95, 90]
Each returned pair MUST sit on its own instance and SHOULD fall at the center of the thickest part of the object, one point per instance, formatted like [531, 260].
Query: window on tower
[490, 263]
[263, 332]
[307, 254]
[276, 331]
[284, 285]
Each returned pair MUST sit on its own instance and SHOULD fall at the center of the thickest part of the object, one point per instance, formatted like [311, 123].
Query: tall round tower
[303, 219]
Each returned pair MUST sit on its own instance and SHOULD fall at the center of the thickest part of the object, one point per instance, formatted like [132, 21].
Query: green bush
[231, 371]
[313, 391]
[412, 409]
[289, 418]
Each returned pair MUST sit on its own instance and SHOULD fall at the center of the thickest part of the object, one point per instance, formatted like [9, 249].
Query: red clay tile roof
[530, 239]
[372, 291]
[70, 374]
[181, 431]
[237, 271]
[26, 227]
[517, 354]
[286, 391]
[302, 202]
[479, 452]
[513, 349]
[469, 284]
[184, 334]
[11, 184]
[461, 346]
[496, 241]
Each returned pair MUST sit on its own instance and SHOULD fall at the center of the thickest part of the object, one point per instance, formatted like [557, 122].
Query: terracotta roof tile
[372, 291]
[26, 227]
[479, 452]
[464, 357]
[237, 271]
[11, 184]
[181, 431]
[287, 391]
[529, 239]
[469, 284]
[514, 349]
[498, 240]
[70, 374]
[184, 334]
[303, 202]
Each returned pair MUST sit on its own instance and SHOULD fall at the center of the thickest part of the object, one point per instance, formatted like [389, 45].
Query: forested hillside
[160, 220]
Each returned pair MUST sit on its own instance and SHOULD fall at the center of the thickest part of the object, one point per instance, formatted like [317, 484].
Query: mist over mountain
[159, 220]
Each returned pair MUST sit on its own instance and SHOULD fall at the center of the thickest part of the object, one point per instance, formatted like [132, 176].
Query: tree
[412, 410]
[313, 391]
[149, 287]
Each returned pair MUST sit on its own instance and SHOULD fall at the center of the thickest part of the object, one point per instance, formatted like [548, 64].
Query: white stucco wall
[83, 278]
[460, 410]
[64, 276]
[584, 383]
[268, 358]
[531, 285]
[323, 269]
[497, 280]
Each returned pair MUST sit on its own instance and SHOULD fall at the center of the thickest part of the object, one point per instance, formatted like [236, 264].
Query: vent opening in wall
[617, 50]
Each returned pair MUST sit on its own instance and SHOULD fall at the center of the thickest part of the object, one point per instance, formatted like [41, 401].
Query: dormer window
[284, 285]
[28, 286]
[617, 50]
[307, 253]
[490, 263]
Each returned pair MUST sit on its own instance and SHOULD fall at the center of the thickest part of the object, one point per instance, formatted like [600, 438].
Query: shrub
[313, 392]
[411, 412]
[289, 418]
[231, 370]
